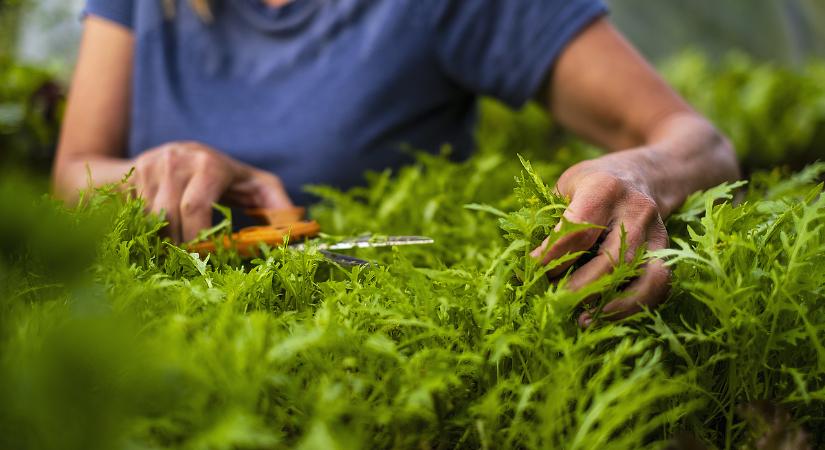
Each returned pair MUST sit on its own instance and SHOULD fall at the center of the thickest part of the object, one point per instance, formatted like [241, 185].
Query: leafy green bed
[128, 342]
[111, 338]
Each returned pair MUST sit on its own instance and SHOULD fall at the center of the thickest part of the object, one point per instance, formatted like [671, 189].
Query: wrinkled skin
[184, 179]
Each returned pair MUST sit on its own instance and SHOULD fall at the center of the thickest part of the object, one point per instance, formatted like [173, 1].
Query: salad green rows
[129, 342]
[112, 338]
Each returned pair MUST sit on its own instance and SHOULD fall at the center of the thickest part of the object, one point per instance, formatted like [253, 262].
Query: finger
[148, 194]
[144, 188]
[202, 191]
[259, 190]
[166, 203]
[583, 209]
[593, 200]
[274, 196]
[648, 291]
[657, 239]
[596, 268]
[608, 256]
[641, 223]
[162, 173]
[603, 264]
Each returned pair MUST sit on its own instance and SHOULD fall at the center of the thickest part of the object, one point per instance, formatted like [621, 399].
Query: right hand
[184, 180]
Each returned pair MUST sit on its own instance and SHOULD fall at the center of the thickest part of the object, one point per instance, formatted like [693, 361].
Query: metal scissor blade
[345, 260]
[372, 242]
[369, 242]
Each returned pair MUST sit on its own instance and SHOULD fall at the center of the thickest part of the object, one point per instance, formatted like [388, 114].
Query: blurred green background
[745, 63]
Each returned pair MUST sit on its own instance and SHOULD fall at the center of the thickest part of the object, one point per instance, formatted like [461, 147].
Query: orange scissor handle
[282, 224]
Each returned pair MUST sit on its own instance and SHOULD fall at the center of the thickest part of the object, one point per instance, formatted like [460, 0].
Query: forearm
[74, 173]
[605, 91]
[682, 154]
[96, 121]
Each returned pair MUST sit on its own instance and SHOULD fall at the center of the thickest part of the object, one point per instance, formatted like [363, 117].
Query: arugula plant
[112, 338]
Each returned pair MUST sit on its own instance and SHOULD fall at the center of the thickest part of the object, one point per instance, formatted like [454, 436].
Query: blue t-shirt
[320, 91]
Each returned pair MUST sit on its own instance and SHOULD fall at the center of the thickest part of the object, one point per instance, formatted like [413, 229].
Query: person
[246, 101]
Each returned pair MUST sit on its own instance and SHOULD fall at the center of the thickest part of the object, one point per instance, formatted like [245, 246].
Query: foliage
[773, 115]
[112, 338]
[31, 106]
[9, 23]
[461, 345]
[748, 317]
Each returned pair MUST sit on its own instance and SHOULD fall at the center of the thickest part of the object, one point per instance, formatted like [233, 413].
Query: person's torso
[316, 91]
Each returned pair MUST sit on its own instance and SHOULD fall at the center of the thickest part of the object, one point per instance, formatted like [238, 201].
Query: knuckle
[194, 207]
[588, 208]
[645, 207]
[644, 202]
[143, 165]
[203, 160]
[612, 185]
[564, 181]
[581, 214]
[170, 158]
[189, 144]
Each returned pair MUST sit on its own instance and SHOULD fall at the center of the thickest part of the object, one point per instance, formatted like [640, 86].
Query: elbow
[60, 173]
[65, 179]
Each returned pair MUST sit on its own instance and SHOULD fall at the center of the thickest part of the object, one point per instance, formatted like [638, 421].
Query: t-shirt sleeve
[119, 11]
[506, 48]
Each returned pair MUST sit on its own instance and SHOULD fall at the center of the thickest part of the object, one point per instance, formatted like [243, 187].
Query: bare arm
[180, 179]
[95, 126]
[661, 151]
[603, 90]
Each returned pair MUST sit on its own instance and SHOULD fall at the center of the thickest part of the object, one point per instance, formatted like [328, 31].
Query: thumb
[273, 194]
[258, 189]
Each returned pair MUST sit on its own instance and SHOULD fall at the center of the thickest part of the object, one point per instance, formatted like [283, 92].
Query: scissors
[291, 225]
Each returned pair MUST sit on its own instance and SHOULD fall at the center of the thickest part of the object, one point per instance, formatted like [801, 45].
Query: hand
[613, 191]
[184, 179]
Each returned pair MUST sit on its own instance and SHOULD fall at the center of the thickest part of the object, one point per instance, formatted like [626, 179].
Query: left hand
[613, 191]
[602, 89]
